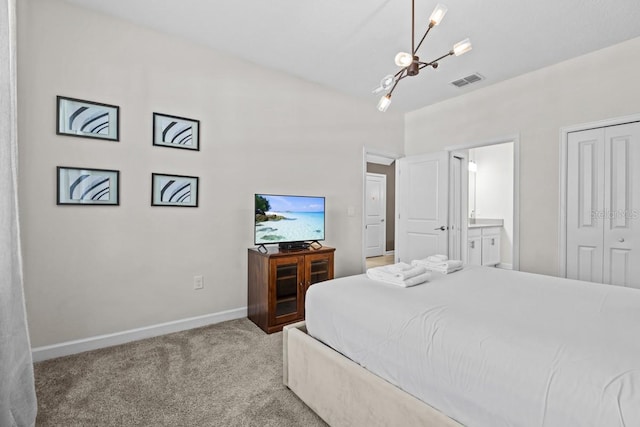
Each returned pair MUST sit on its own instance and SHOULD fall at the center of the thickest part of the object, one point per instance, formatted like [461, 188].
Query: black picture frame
[174, 190]
[87, 186]
[87, 119]
[176, 132]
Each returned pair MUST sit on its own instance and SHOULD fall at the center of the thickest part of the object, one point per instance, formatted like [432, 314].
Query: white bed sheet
[491, 347]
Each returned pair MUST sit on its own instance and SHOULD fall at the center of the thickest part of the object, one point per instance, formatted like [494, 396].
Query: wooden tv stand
[278, 281]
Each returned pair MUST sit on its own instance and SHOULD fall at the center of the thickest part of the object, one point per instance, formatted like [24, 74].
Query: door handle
[441, 228]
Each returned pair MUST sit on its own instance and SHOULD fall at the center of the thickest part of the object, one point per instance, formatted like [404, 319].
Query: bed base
[343, 393]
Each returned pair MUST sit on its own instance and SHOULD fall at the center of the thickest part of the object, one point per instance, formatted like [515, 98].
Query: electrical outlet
[198, 282]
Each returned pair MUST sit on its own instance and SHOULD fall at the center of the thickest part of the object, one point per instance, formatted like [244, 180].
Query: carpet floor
[228, 374]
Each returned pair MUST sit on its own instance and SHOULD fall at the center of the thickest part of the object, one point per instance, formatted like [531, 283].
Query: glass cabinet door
[319, 270]
[287, 280]
[286, 289]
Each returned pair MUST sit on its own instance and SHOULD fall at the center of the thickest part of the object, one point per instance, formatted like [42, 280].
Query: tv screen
[281, 219]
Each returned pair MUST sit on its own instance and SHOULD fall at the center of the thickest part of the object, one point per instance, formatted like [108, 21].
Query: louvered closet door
[603, 205]
[622, 205]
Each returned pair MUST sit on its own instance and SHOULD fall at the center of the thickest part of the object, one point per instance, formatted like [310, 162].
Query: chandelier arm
[422, 39]
[403, 74]
[428, 64]
[400, 72]
[413, 24]
[393, 88]
[437, 59]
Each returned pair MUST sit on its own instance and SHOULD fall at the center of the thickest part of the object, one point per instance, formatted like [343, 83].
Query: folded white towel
[379, 275]
[416, 280]
[401, 274]
[395, 268]
[445, 267]
[412, 272]
[437, 258]
[445, 270]
[400, 270]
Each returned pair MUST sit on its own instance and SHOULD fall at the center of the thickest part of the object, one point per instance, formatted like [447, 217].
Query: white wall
[98, 270]
[494, 190]
[536, 105]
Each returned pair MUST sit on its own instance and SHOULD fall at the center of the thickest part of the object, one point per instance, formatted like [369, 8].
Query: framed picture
[176, 132]
[88, 119]
[90, 187]
[174, 190]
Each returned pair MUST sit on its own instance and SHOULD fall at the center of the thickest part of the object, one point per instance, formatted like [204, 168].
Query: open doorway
[375, 226]
[380, 202]
[379, 208]
[489, 212]
[490, 205]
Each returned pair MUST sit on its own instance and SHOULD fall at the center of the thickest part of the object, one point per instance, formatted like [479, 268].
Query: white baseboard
[389, 252]
[93, 343]
[505, 266]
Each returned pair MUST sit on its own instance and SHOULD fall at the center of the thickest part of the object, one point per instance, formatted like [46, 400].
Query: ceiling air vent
[475, 77]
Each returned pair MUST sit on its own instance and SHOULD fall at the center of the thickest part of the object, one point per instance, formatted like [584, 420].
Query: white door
[603, 205]
[622, 205]
[423, 187]
[375, 214]
[585, 198]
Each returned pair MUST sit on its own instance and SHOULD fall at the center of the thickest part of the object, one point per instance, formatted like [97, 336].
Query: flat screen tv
[289, 221]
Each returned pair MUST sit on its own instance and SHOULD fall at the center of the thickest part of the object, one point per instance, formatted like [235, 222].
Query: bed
[480, 347]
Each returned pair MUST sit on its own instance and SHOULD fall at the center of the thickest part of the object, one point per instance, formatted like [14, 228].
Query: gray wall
[98, 270]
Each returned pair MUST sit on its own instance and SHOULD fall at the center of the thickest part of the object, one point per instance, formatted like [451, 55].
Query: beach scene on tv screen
[288, 219]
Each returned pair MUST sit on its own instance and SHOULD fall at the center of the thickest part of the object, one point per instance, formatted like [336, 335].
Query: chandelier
[410, 62]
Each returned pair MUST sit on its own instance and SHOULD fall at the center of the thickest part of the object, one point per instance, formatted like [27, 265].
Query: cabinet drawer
[474, 232]
[491, 231]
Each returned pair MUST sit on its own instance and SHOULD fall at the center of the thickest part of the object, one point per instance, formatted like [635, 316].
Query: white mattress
[491, 347]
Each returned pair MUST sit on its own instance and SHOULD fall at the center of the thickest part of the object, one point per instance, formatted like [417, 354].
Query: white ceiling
[350, 45]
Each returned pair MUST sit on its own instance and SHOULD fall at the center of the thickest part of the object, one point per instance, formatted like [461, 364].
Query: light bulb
[387, 82]
[403, 59]
[384, 103]
[437, 14]
[461, 47]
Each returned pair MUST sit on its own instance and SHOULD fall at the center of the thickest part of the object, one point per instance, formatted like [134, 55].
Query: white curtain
[17, 391]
